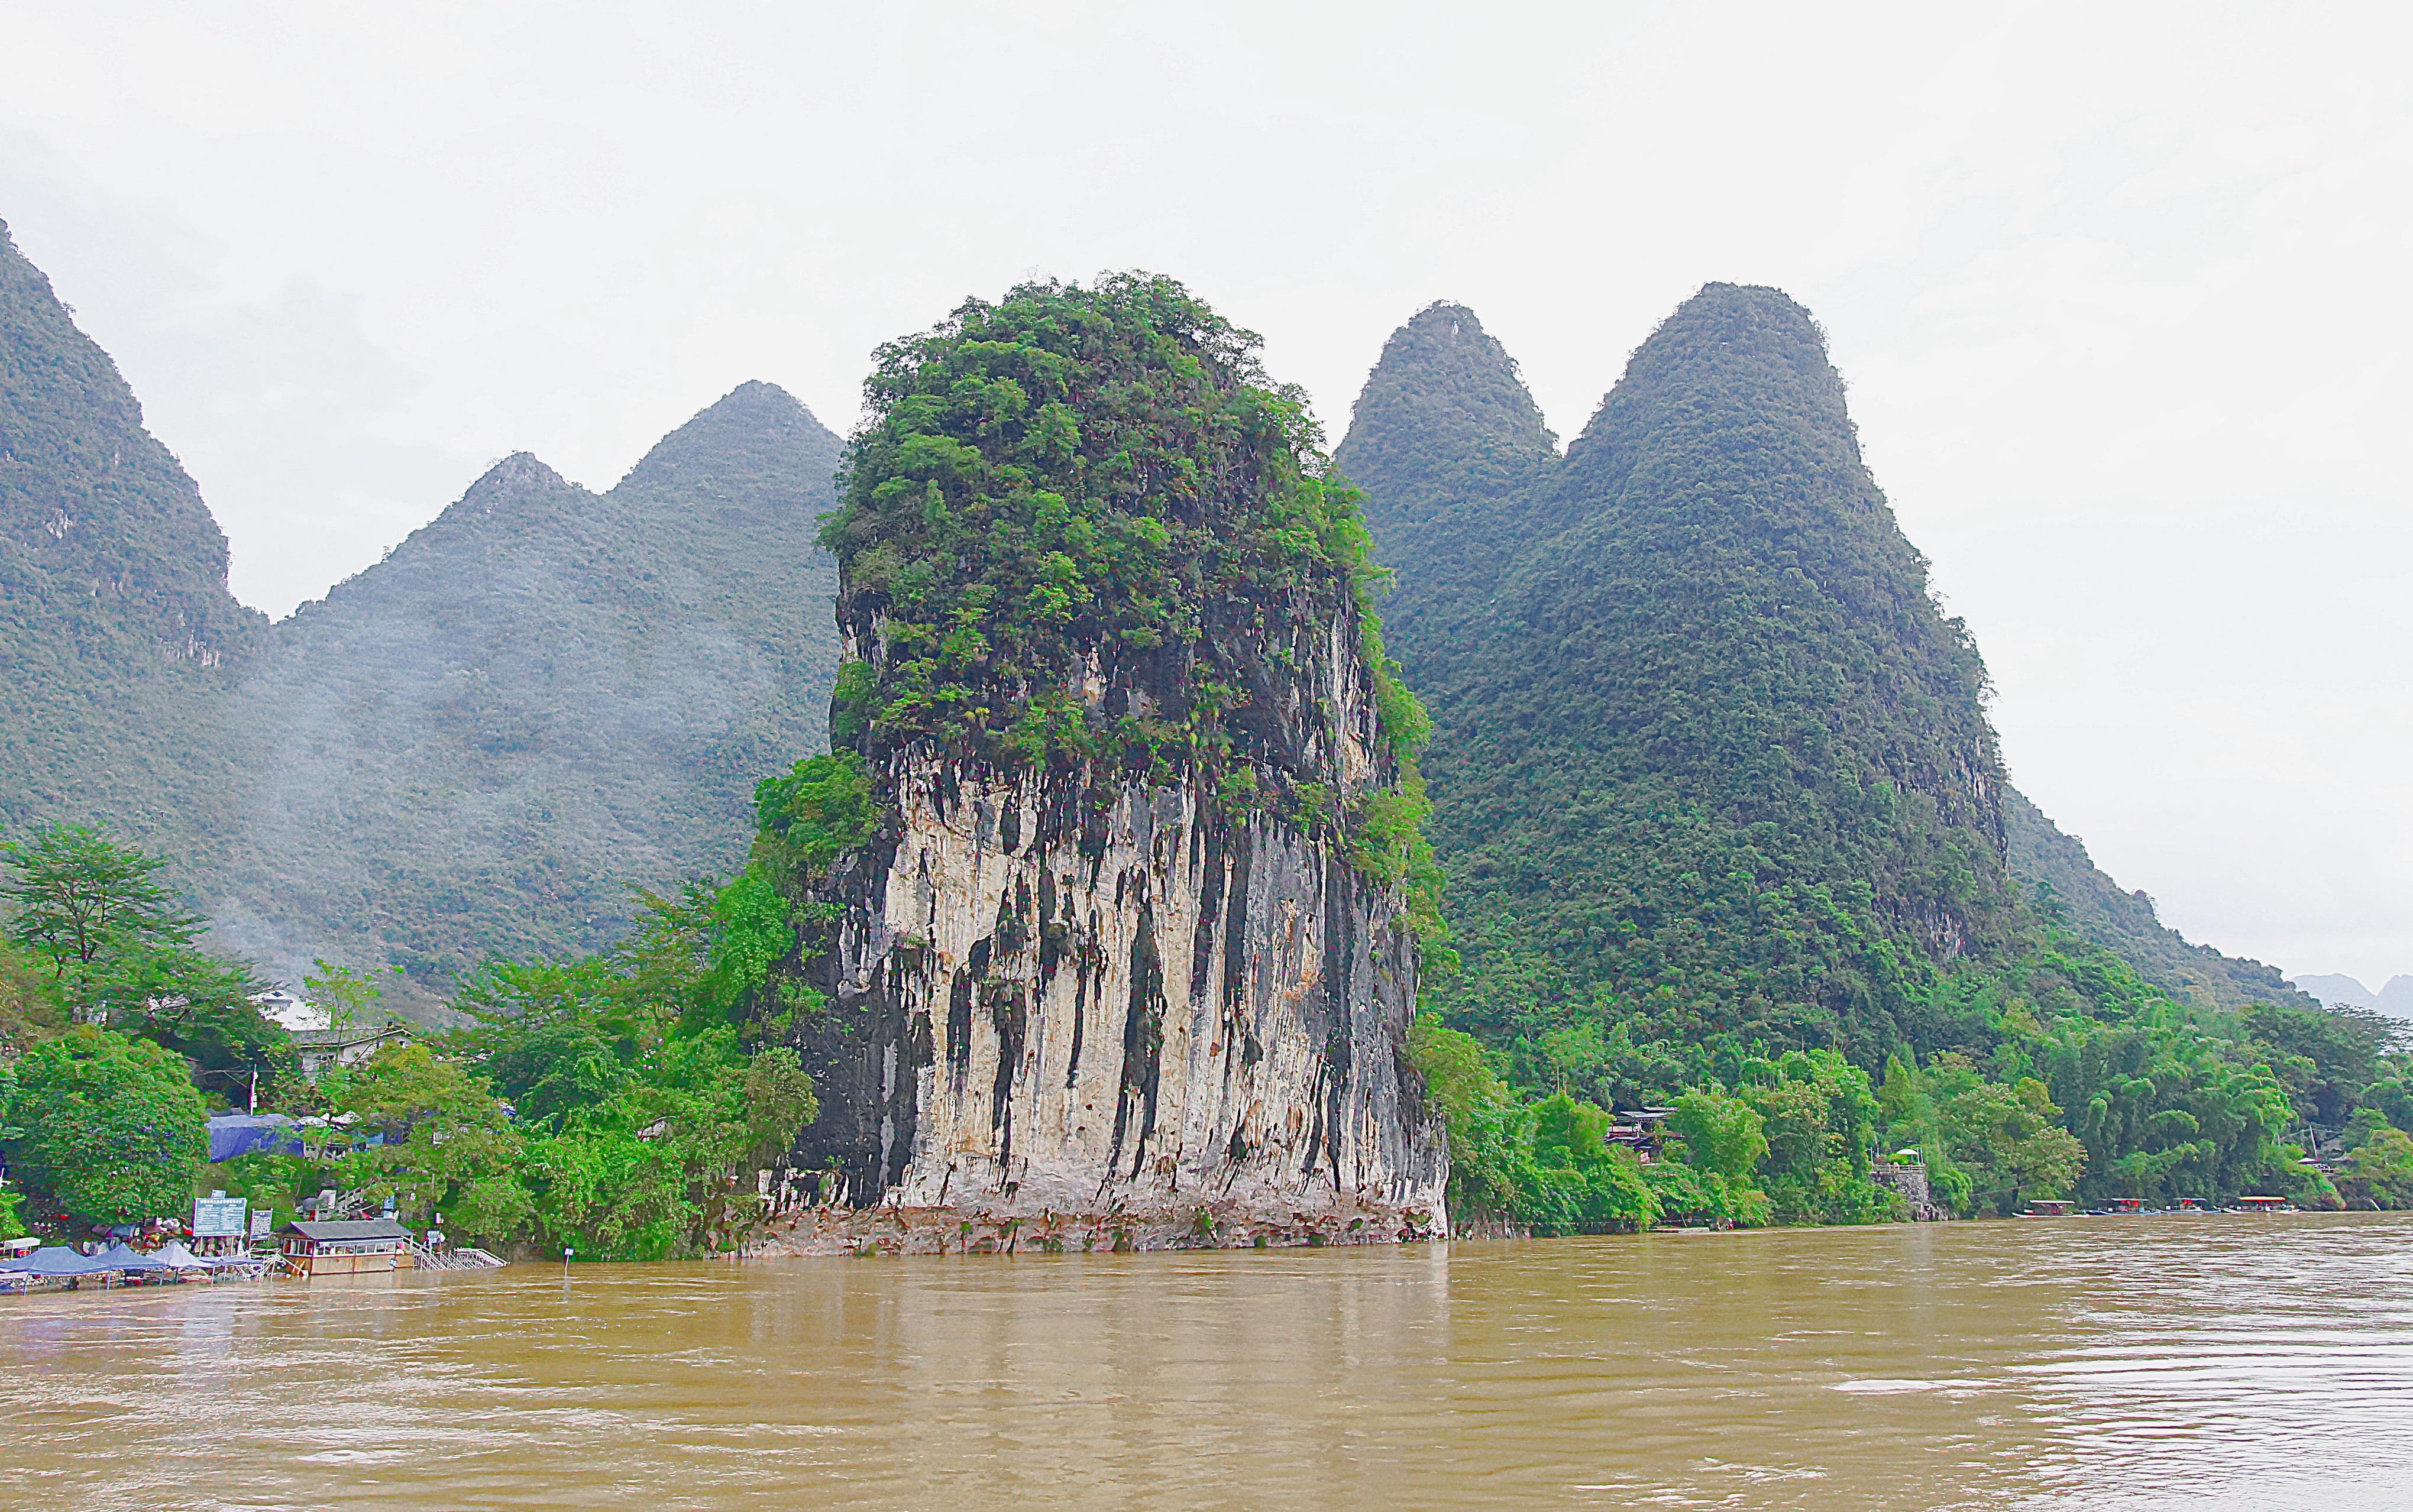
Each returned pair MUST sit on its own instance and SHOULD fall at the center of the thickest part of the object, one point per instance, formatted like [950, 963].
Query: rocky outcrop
[1077, 1009]
[1126, 959]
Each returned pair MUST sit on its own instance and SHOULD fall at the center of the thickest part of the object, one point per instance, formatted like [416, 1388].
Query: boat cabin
[2128, 1205]
[346, 1246]
[2263, 1205]
[2048, 1208]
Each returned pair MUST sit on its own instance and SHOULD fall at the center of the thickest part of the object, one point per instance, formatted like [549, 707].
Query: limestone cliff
[1144, 976]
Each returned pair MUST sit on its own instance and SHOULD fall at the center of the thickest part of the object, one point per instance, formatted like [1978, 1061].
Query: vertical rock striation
[1145, 978]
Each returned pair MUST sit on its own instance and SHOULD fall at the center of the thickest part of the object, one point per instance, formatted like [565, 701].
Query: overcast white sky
[2122, 293]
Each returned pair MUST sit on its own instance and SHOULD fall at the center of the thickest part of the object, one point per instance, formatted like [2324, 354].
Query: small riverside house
[327, 1050]
[347, 1246]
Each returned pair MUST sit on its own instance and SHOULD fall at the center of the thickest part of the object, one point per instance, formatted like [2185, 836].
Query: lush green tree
[1818, 1114]
[1716, 1146]
[119, 950]
[2327, 1057]
[2007, 1138]
[1719, 1132]
[349, 997]
[1460, 1085]
[778, 1102]
[2380, 1171]
[444, 1130]
[2391, 1098]
[648, 1085]
[30, 1009]
[80, 898]
[113, 1131]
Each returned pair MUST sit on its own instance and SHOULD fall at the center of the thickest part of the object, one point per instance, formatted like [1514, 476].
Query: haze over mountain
[2395, 999]
[542, 697]
[1706, 748]
[475, 746]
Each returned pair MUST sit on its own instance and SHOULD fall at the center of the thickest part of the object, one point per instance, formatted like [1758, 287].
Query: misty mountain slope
[2043, 858]
[119, 641]
[1706, 748]
[2395, 997]
[475, 746]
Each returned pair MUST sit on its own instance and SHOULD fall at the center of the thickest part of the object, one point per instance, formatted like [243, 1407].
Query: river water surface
[2209, 1361]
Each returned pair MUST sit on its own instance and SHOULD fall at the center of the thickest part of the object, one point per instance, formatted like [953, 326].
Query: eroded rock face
[1102, 1015]
[1067, 1009]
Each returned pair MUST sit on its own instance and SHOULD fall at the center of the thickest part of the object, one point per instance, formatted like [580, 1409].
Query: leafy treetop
[1082, 524]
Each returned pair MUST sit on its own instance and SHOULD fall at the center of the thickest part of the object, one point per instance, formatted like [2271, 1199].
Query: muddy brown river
[2206, 1362]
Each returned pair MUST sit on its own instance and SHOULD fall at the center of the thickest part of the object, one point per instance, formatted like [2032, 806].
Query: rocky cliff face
[1145, 979]
[1108, 1015]
[1071, 1009]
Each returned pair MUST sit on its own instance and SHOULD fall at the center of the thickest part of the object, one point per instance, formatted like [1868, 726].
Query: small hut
[346, 1246]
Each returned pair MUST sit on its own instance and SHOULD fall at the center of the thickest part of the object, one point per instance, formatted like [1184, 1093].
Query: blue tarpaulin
[124, 1257]
[241, 1134]
[58, 1260]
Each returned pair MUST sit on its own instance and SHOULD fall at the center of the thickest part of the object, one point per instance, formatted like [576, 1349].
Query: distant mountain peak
[1724, 337]
[515, 476]
[744, 449]
[1444, 349]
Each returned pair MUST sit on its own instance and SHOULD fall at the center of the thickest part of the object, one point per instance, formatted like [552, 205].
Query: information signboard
[219, 1218]
[260, 1219]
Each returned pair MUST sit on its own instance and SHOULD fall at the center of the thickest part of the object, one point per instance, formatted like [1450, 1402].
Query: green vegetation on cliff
[1722, 814]
[1082, 525]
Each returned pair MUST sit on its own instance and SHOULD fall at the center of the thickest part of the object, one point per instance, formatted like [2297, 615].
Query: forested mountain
[1451, 451]
[475, 746]
[1705, 750]
[1723, 826]
[1706, 610]
[119, 643]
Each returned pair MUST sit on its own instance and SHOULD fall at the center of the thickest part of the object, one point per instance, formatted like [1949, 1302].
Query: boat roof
[323, 1231]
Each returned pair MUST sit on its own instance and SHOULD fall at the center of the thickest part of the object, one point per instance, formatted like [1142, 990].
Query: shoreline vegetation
[612, 1104]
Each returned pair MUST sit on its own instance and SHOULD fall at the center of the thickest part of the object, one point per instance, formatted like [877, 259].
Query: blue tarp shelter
[241, 1134]
[58, 1260]
[121, 1257]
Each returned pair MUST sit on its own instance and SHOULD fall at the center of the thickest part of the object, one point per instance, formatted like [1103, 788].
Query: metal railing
[458, 1259]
